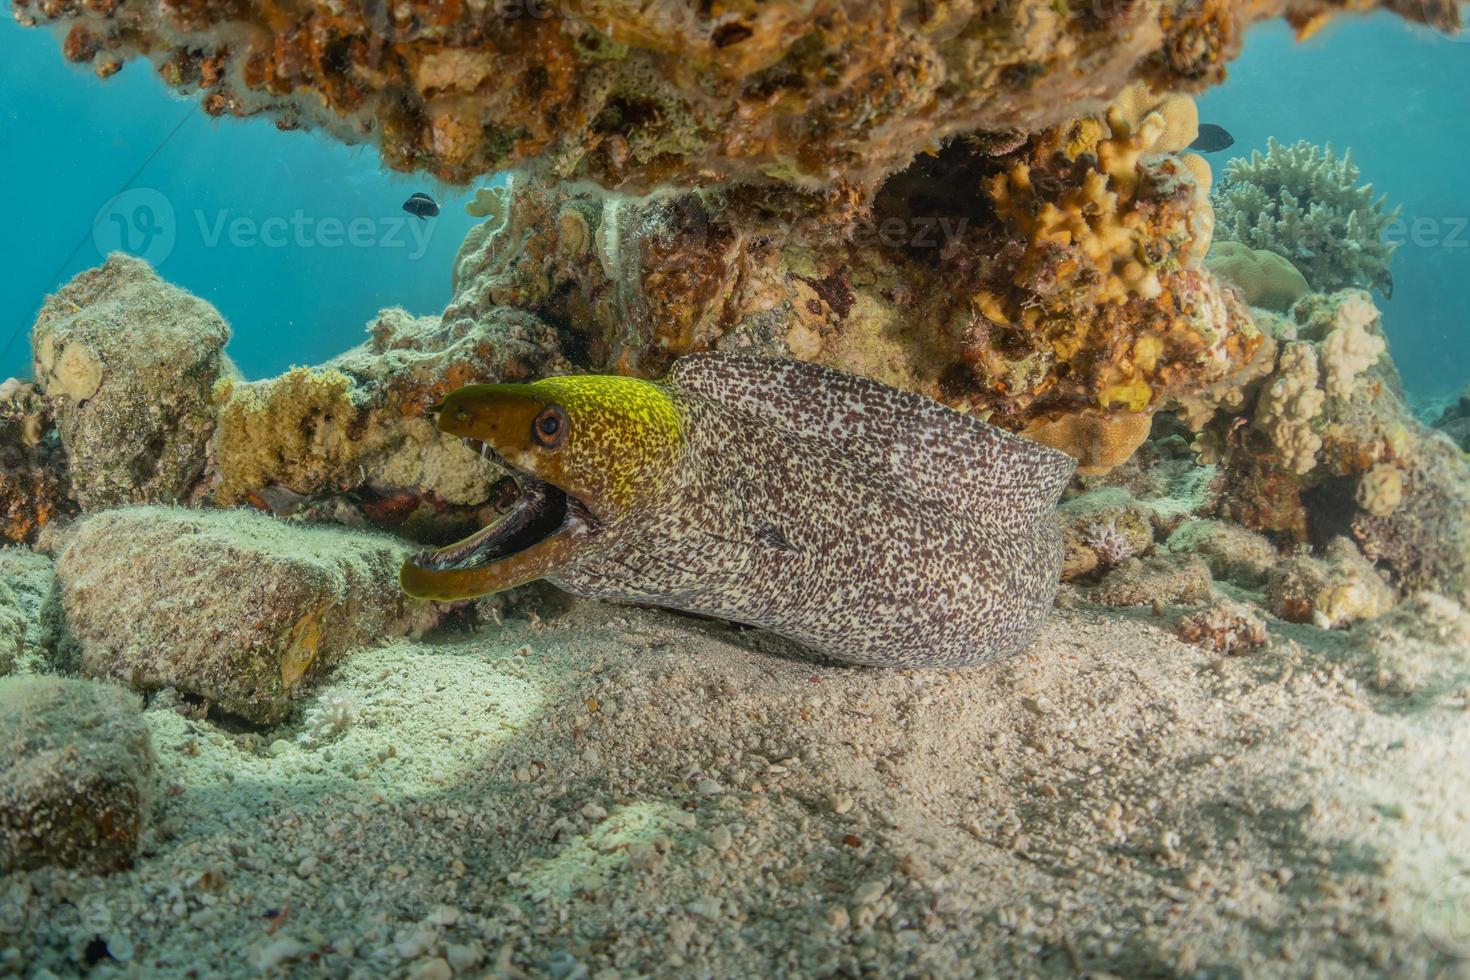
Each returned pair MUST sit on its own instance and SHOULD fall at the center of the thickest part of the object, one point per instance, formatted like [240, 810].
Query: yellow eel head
[584, 450]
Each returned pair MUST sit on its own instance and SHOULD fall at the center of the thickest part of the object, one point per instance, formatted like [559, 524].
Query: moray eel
[869, 524]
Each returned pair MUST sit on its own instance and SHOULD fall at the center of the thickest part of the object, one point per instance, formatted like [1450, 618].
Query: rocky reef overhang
[818, 94]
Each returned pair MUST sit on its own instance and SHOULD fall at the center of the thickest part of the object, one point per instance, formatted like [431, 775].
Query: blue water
[299, 241]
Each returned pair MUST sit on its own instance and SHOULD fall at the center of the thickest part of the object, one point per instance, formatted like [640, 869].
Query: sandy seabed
[619, 793]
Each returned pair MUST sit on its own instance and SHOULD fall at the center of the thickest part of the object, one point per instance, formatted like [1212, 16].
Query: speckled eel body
[869, 524]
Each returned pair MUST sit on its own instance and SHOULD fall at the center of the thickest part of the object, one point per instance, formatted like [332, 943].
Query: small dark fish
[1212, 139]
[421, 205]
[1386, 286]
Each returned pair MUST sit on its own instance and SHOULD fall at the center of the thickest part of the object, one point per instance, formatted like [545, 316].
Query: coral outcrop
[1305, 203]
[33, 479]
[632, 95]
[1319, 444]
[236, 609]
[76, 777]
[127, 363]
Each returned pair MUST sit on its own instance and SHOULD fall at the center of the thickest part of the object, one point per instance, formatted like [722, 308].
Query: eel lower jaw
[542, 531]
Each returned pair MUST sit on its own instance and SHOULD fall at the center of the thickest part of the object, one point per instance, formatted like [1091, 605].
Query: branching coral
[1111, 546]
[1305, 203]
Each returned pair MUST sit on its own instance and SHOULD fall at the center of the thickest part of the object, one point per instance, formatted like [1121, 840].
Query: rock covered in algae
[127, 363]
[637, 94]
[34, 488]
[76, 775]
[1235, 554]
[1180, 579]
[363, 418]
[233, 607]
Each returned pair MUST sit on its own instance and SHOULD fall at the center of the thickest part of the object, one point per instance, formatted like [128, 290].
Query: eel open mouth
[544, 515]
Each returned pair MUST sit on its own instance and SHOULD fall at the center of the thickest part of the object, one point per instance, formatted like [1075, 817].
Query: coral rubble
[634, 95]
[1336, 590]
[127, 363]
[1225, 626]
[1304, 203]
[235, 608]
[76, 775]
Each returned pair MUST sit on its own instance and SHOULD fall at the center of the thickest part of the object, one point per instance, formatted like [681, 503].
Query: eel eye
[550, 427]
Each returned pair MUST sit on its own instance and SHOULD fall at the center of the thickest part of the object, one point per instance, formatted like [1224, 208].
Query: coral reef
[1319, 443]
[127, 363]
[34, 488]
[1331, 592]
[76, 775]
[1056, 289]
[1264, 278]
[256, 608]
[810, 94]
[1304, 203]
[362, 422]
[1225, 626]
